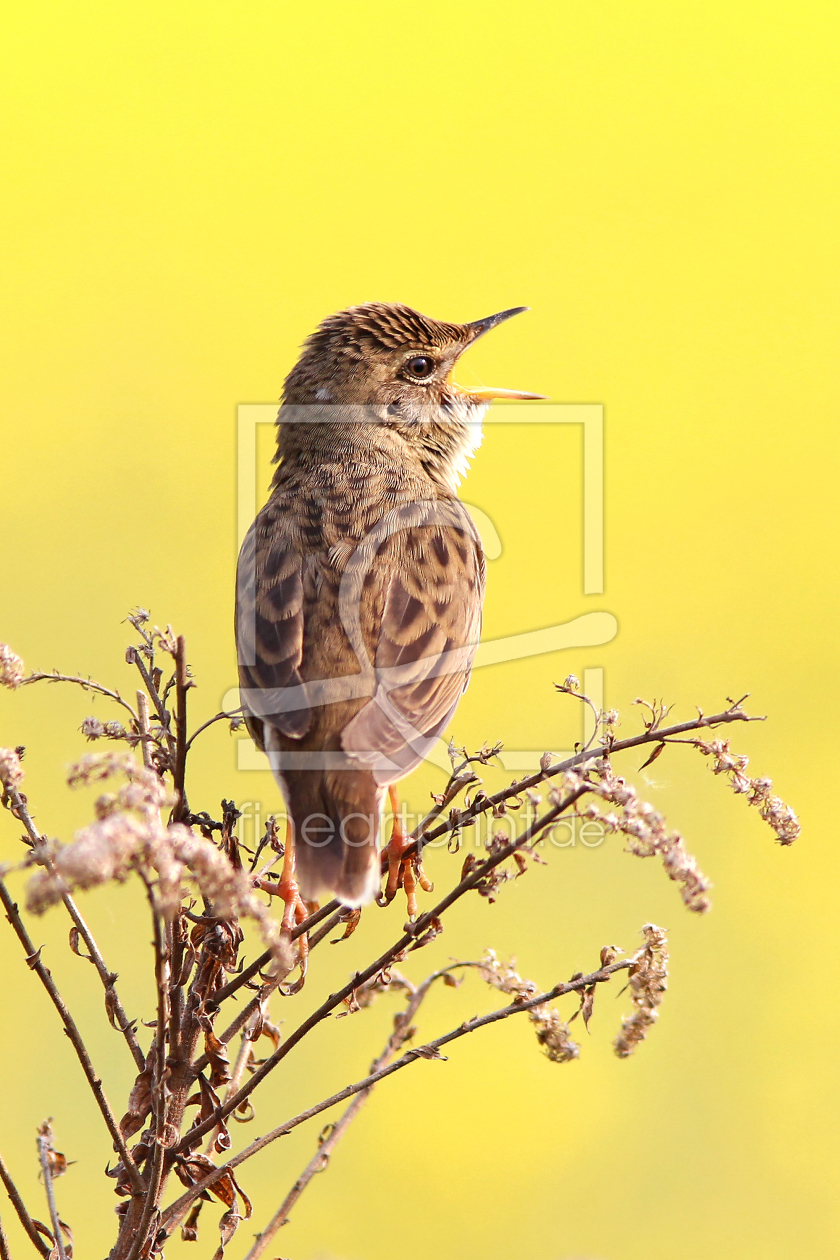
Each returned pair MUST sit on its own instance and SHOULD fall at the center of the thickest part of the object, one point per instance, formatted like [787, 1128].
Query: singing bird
[360, 583]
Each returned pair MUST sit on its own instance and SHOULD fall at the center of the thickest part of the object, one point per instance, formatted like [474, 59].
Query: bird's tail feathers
[336, 837]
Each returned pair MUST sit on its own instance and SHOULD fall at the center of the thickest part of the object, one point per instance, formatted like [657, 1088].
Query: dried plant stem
[87, 683]
[19, 1206]
[243, 1054]
[650, 736]
[176, 1211]
[20, 810]
[316, 1164]
[406, 941]
[154, 696]
[326, 1144]
[182, 686]
[144, 729]
[481, 805]
[5, 1254]
[108, 978]
[160, 1093]
[219, 717]
[44, 1158]
[33, 959]
[331, 908]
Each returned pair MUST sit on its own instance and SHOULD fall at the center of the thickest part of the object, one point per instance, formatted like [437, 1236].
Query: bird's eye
[420, 366]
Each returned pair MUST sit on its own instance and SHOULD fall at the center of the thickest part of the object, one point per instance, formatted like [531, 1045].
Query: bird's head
[392, 367]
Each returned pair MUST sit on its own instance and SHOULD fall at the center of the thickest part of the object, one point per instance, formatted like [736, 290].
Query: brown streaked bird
[360, 583]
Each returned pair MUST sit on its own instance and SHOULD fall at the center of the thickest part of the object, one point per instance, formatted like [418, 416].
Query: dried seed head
[11, 668]
[772, 809]
[230, 890]
[648, 835]
[552, 1032]
[647, 984]
[11, 771]
[144, 793]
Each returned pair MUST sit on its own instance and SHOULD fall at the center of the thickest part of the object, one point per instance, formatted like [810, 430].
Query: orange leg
[296, 910]
[403, 872]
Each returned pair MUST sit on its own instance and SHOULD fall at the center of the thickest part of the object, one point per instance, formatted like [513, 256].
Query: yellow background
[187, 190]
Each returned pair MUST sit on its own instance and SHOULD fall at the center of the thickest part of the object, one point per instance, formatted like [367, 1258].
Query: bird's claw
[405, 869]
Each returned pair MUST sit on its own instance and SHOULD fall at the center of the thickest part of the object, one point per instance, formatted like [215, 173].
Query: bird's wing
[269, 627]
[428, 634]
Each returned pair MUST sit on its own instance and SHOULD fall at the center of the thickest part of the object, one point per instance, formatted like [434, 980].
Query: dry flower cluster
[647, 984]
[551, 1031]
[201, 882]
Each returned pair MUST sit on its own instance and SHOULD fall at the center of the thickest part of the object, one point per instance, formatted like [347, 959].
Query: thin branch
[247, 1011]
[406, 941]
[459, 818]
[5, 1254]
[144, 728]
[182, 686]
[220, 717]
[20, 810]
[87, 683]
[44, 1150]
[116, 1012]
[33, 959]
[159, 1090]
[258, 965]
[326, 1144]
[244, 1053]
[484, 803]
[133, 656]
[19, 1206]
[174, 1213]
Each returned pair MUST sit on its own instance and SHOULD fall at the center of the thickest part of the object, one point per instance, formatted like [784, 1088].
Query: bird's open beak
[486, 393]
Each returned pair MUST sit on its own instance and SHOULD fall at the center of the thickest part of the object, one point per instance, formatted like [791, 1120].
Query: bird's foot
[295, 912]
[405, 865]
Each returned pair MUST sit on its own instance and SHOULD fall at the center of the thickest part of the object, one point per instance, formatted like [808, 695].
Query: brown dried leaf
[350, 925]
[434, 929]
[609, 954]
[228, 1226]
[189, 1229]
[656, 752]
[217, 1055]
[139, 1103]
[427, 1052]
[75, 944]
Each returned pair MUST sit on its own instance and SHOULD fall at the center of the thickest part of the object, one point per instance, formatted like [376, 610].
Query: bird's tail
[336, 818]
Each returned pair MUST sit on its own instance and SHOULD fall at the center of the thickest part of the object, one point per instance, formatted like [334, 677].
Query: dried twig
[484, 804]
[20, 809]
[406, 941]
[331, 1136]
[87, 683]
[174, 1214]
[45, 1153]
[196, 952]
[33, 960]
[5, 1253]
[19, 1206]
[182, 685]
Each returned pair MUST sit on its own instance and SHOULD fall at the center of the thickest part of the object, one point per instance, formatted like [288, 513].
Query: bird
[360, 584]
